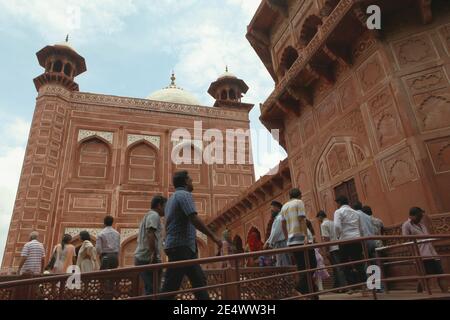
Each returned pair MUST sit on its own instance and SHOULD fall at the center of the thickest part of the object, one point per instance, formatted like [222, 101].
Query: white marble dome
[174, 94]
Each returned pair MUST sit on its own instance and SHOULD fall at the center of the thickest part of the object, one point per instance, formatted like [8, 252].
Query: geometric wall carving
[387, 126]
[83, 134]
[338, 159]
[400, 168]
[327, 111]
[135, 203]
[426, 81]
[308, 127]
[348, 93]
[433, 109]
[439, 152]
[322, 174]
[445, 34]
[414, 50]
[371, 73]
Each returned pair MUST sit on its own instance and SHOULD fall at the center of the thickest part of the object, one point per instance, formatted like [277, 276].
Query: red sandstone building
[362, 112]
[365, 113]
[91, 155]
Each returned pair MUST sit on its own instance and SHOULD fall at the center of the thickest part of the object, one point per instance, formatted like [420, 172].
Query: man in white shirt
[348, 226]
[329, 235]
[277, 240]
[295, 228]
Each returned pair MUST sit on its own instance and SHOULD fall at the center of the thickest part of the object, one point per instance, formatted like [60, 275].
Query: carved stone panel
[445, 34]
[415, 50]
[308, 127]
[338, 159]
[371, 73]
[322, 174]
[293, 135]
[439, 152]
[387, 127]
[348, 94]
[359, 153]
[400, 168]
[433, 109]
[327, 202]
[426, 81]
[327, 111]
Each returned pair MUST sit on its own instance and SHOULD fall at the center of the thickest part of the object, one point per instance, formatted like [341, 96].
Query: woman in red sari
[254, 244]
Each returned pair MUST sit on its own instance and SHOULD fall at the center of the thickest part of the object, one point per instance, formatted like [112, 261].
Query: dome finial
[67, 38]
[226, 68]
[173, 78]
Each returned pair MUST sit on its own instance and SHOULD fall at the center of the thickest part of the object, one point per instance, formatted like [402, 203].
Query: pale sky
[130, 47]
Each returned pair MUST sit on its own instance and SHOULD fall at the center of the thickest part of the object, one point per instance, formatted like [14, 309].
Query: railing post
[231, 292]
[421, 268]
[308, 273]
[155, 283]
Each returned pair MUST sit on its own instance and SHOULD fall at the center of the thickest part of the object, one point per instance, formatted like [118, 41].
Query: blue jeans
[147, 277]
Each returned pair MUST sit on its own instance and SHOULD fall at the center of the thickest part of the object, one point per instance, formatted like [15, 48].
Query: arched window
[288, 58]
[142, 163]
[93, 159]
[232, 94]
[57, 66]
[224, 95]
[68, 69]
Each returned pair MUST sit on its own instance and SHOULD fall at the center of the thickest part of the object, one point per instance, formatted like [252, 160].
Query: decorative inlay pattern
[74, 232]
[154, 140]
[83, 134]
[89, 99]
[127, 233]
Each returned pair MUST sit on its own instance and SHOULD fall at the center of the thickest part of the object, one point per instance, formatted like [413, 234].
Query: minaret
[62, 64]
[228, 90]
[36, 204]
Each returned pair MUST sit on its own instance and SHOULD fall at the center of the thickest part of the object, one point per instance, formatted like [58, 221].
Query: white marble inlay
[154, 140]
[74, 232]
[127, 233]
[83, 134]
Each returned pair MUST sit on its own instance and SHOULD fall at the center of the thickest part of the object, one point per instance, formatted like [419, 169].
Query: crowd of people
[103, 256]
[289, 227]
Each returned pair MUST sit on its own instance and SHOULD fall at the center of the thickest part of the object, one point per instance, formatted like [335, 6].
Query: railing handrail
[201, 261]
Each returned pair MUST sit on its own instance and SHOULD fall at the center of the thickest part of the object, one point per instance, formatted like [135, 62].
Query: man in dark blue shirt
[181, 224]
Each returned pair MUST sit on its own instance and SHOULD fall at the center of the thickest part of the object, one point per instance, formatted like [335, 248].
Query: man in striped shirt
[33, 255]
[295, 228]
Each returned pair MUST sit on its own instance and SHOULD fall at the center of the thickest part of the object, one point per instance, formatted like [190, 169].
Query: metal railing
[233, 283]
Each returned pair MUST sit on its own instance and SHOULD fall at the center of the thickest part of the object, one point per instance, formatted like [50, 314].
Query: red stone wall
[384, 123]
[90, 155]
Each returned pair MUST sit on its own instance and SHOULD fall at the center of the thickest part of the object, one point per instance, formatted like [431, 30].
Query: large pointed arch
[93, 159]
[141, 163]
